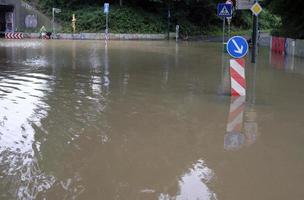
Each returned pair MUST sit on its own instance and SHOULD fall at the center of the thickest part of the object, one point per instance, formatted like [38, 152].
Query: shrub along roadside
[128, 19]
[121, 20]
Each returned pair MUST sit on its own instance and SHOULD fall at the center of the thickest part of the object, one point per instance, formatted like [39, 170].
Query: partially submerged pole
[255, 37]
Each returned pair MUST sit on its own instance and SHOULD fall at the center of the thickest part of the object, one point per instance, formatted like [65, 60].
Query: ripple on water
[21, 104]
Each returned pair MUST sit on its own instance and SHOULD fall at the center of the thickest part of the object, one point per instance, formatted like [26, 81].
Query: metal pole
[229, 27]
[168, 25]
[224, 27]
[177, 33]
[107, 25]
[255, 37]
[254, 84]
[53, 20]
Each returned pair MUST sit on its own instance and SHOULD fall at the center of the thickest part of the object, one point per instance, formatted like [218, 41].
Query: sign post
[224, 10]
[256, 10]
[224, 28]
[54, 10]
[229, 18]
[177, 33]
[106, 9]
[168, 21]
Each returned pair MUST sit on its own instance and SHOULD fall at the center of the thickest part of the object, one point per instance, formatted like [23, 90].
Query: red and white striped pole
[238, 80]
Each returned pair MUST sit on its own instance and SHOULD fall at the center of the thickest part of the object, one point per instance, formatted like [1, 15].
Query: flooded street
[147, 120]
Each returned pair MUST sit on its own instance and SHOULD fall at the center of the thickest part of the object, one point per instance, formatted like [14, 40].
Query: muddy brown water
[147, 120]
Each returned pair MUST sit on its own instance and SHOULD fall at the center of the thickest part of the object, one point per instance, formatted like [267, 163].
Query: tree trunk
[120, 2]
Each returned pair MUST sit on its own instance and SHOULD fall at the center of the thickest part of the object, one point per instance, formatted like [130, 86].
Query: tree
[291, 13]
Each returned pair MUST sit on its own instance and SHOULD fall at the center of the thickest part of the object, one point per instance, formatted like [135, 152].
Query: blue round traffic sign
[237, 47]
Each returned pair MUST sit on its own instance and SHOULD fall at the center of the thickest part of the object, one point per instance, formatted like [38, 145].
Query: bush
[121, 20]
[196, 18]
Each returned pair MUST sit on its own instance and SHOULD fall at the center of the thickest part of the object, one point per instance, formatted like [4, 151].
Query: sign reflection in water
[287, 63]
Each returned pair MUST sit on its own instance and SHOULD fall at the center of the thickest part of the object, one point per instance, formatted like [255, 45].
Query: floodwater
[147, 120]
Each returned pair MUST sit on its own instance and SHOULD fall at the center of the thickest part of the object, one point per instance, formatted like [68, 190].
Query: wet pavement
[147, 120]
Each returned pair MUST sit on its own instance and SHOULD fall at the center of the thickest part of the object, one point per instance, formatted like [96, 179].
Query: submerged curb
[100, 36]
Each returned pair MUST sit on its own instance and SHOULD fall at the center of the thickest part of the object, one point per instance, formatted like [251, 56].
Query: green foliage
[291, 13]
[130, 20]
[121, 20]
[242, 19]
[268, 20]
[195, 17]
[188, 29]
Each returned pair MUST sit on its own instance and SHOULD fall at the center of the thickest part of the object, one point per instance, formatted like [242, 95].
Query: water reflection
[194, 184]
[234, 139]
[22, 105]
[139, 120]
[61, 123]
[224, 87]
[288, 63]
[30, 116]
[242, 127]
[106, 73]
[277, 60]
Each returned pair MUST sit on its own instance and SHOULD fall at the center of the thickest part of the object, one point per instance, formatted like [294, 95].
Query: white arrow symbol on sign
[239, 49]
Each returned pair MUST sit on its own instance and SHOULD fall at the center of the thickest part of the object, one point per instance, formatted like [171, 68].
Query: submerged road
[147, 120]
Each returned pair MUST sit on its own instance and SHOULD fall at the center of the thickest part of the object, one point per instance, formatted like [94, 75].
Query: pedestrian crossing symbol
[224, 10]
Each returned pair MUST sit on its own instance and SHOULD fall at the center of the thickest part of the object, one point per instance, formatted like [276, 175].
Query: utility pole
[255, 37]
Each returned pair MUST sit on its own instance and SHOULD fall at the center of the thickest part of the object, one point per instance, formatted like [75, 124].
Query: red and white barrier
[14, 36]
[238, 80]
[278, 44]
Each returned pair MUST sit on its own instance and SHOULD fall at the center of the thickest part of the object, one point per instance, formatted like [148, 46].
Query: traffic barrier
[14, 36]
[278, 44]
[290, 46]
[299, 48]
[237, 76]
